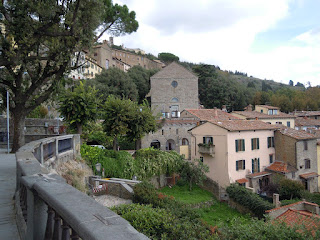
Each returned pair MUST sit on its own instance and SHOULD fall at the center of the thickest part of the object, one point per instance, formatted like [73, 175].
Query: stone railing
[210, 149]
[48, 208]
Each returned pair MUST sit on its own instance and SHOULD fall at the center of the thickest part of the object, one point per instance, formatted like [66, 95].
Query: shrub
[287, 202]
[249, 199]
[289, 189]
[311, 197]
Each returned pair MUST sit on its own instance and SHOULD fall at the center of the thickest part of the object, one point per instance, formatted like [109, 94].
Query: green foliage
[184, 195]
[115, 82]
[194, 172]
[248, 199]
[287, 202]
[93, 133]
[290, 189]
[168, 57]
[311, 197]
[39, 112]
[120, 164]
[261, 230]
[126, 117]
[79, 106]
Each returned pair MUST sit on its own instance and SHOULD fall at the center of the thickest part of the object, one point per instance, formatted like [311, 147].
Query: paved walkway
[8, 227]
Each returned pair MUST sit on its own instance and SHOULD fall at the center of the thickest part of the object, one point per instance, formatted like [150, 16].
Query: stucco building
[235, 151]
[298, 149]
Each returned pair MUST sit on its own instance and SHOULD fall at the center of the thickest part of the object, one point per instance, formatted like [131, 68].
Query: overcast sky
[268, 39]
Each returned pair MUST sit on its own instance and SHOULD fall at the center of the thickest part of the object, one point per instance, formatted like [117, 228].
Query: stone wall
[285, 149]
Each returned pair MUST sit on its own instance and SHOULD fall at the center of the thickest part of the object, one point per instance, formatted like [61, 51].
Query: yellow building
[92, 68]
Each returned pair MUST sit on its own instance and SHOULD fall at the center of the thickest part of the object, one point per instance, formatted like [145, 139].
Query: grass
[221, 214]
[217, 215]
[182, 194]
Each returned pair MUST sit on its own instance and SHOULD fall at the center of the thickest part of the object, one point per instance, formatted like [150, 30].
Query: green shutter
[237, 149]
[269, 140]
[237, 165]
[244, 164]
[244, 146]
[258, 143]
[252, 165]
[251, 143]
[258, 164]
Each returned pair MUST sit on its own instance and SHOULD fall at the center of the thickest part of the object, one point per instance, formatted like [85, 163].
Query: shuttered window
[254, 143]
[240, 145]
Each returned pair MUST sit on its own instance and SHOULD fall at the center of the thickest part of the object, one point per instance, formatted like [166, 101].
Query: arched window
[174, 100]
[185, 141]
[174, 84]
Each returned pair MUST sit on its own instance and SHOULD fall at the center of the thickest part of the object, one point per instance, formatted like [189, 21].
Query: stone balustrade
[48, 208]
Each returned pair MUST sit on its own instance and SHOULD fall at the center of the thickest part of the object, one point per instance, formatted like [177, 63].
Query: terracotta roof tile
[297, 134]
[307, 113]
[243, 125]
[300, 121]
[258, 174]
[289, 205]
[281, 167]
[308, 175]
[242, 180]
[210, 114]
[178, 121]
[174, 70]
[253, 114]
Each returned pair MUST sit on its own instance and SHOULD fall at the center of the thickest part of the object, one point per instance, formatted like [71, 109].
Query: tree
[299, 84]
[194, 172]
[125, 117]
[79, 106]
[39, 41]
[115, 82]
[168, 57]
[291, 83]
[141, 77]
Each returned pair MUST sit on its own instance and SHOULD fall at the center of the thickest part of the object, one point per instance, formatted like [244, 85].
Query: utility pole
[8, 122]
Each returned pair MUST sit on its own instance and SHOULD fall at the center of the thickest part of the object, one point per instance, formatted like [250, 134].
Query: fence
[48, 208]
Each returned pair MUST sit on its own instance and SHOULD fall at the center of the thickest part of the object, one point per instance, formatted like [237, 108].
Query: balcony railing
[207, 149]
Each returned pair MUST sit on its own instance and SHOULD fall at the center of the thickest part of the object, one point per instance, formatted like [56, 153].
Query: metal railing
[48, 208]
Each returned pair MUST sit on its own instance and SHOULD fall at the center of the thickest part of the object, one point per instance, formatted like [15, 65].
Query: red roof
[309, 175]
[295, 217]
[244, 125]
[210, 114]
[281, 167]
[253, 114]
[303, 121]
[242, 180]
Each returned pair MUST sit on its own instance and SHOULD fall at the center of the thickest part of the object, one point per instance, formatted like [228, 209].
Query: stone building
[173, 89]
[298, 149]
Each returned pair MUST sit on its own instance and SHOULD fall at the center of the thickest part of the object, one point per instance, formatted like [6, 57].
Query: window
[293, 175]
[162, 132]
[270, 142]
[275, 112]
[269, 112]
[254, 143]
[255, 165]
[278, 122]
[207, 140]
[305, 145]
[174, 84]
[307, 164]
[240, 145]
[185, 141]
[261, 111]
[271, 158]
[288, 123]
[174, 100]
[240, 165]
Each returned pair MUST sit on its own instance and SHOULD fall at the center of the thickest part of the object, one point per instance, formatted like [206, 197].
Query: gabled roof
[254, 114]
[296, 134]
[210, 114]
[174, 70]
[309, 175]
[281, 167]
[258, 174]
[243, 125]
[304, 121]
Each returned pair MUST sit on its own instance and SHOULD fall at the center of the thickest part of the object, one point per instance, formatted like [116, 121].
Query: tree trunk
[18, 129]
[115, 140]
[138, 144]
[79, 128]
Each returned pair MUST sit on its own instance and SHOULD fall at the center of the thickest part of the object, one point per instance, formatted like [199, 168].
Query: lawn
[216, 215]
[182, 194]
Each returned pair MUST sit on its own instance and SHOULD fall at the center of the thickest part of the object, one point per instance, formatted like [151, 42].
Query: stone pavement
[8, 227]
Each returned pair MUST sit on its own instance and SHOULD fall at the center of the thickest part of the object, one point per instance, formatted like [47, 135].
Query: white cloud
[221, 32]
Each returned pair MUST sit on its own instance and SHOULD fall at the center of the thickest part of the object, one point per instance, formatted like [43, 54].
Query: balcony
[206, 149]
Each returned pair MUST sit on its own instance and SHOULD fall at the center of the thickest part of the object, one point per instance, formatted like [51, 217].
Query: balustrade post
[41, 153]
[50, 224]
[57, 227]
[57, 148]
[65, 230]
[74, 235]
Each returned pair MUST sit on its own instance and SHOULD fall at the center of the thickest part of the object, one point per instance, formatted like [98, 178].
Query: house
[207, 114]
[173, 89]
[309, 114]
[307, 124]
[268, 114]
[300, 213]
[235, 151]
[299, 150]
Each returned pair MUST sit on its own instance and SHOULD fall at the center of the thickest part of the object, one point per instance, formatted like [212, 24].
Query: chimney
[249, 108]
[224, 108]
[276, 201]
[256, 118]
[215, 112]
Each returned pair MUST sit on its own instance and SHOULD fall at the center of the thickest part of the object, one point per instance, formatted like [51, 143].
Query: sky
[269, 39]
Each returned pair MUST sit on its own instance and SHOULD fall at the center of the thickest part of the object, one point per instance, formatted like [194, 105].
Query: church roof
[174, 70]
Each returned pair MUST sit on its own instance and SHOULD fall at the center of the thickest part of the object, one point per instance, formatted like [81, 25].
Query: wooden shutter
[258, 164]
[244, 164]
[258, 147]
[243, 144]
[252, 165]
[237, 147]
[251, 143]
[237, 165]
